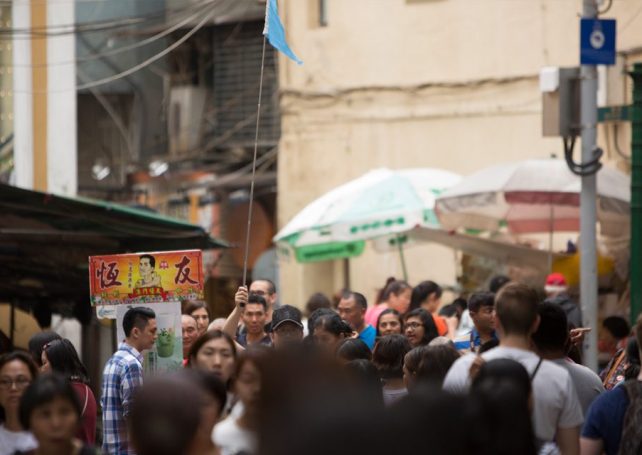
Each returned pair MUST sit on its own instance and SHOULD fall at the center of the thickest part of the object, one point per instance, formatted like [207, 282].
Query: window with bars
[236, 73]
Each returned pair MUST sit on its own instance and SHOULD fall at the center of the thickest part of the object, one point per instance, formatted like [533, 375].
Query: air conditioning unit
[185, 118]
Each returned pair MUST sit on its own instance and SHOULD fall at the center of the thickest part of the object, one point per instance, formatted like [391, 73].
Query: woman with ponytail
[395, 294]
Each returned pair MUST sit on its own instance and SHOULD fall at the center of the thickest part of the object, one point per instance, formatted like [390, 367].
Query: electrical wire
[581, 169]
[150, 60]
[147, 62]
[120, 50]
[96, 26]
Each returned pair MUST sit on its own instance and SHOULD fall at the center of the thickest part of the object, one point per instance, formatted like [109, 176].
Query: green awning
[46, 240]
[36, 214]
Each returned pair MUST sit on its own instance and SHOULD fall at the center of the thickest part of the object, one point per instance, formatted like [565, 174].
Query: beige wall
[451, 84]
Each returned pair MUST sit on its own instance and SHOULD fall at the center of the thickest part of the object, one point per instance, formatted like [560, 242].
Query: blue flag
[275, 32]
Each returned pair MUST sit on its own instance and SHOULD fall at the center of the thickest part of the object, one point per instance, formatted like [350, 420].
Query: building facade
[451, 84]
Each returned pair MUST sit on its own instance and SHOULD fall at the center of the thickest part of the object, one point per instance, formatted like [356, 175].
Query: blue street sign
[597, 42]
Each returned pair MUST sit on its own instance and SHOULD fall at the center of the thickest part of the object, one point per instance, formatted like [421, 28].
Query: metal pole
[635, 274]
[588, 207]
[402, 258]
[346, 273]
[256, 148]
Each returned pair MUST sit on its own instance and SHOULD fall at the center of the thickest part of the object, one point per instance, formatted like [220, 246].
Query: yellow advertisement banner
[169, 276]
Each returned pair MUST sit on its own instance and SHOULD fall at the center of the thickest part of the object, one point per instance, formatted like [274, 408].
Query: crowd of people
[495, 372]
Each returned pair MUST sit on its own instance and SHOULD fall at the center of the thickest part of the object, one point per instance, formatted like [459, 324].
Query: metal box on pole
[560, 89]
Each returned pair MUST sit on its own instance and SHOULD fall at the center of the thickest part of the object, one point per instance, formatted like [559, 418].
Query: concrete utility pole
[588, 206]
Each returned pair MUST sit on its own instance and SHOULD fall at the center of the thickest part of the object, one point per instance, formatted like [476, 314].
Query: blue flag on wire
[275, 32]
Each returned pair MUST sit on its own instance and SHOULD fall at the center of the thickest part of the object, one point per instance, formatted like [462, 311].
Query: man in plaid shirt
[123, 373]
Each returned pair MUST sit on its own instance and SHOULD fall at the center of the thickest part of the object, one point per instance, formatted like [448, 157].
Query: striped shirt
[122, 374]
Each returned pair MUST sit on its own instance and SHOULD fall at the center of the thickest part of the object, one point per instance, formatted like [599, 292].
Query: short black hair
[497, 282]
[388, 355]
[44, 389]
[358, 297]
[316, 314]
[257, 299]
[480, 299]
[137, 317]
[152, 259]
[618, 326]
[37, 341]
[271, 285]
[552, 333]
[352, 349]
[449, 311]
[333, 323]
[461, 303]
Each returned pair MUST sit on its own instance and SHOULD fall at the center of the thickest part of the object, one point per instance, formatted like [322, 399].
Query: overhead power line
[136, 68]
[96, 26]
[99, 55]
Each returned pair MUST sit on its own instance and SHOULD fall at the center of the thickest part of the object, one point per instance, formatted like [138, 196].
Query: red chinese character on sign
[183, 272]
[108, 275]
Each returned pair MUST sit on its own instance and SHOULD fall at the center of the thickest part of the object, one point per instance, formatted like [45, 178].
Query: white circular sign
[597, 39]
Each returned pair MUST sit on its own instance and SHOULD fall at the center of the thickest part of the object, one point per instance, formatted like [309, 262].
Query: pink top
[372, 314]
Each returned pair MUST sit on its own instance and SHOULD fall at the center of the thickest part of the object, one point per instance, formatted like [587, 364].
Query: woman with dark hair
[60, 356]
[435, 363]
[427, 295]
[410, 366]
[389, 323]
[419, 327]
[329, 331]
[37, 341]
[503, 390]
[17, 371]
[387, 357]
[49, 408]
[215, 352]
[353, 349]
[312, 320]
[395, 295]
[238, 434]
[198, 310]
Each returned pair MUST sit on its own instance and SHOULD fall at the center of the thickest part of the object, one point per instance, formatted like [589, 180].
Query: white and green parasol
[381, 203]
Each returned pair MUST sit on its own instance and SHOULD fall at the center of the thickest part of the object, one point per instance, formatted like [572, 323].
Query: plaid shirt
[122, 374]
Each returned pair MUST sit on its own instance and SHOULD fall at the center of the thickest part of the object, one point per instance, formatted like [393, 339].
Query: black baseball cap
[286, 313]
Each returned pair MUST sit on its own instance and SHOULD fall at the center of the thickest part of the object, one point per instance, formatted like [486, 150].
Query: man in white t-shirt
[550, 342]
[557, 414]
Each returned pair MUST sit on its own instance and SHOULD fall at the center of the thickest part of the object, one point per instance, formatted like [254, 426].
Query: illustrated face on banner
[144, 278]
[148, 276]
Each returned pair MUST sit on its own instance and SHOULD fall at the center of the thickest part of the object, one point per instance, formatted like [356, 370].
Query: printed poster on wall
[142, 278]
[167, 353]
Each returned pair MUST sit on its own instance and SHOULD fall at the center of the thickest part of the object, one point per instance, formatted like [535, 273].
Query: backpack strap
[539, 364]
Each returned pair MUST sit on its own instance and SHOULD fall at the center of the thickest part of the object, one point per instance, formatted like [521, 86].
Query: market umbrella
[382, 202]
[533, 196]
[24, 325]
